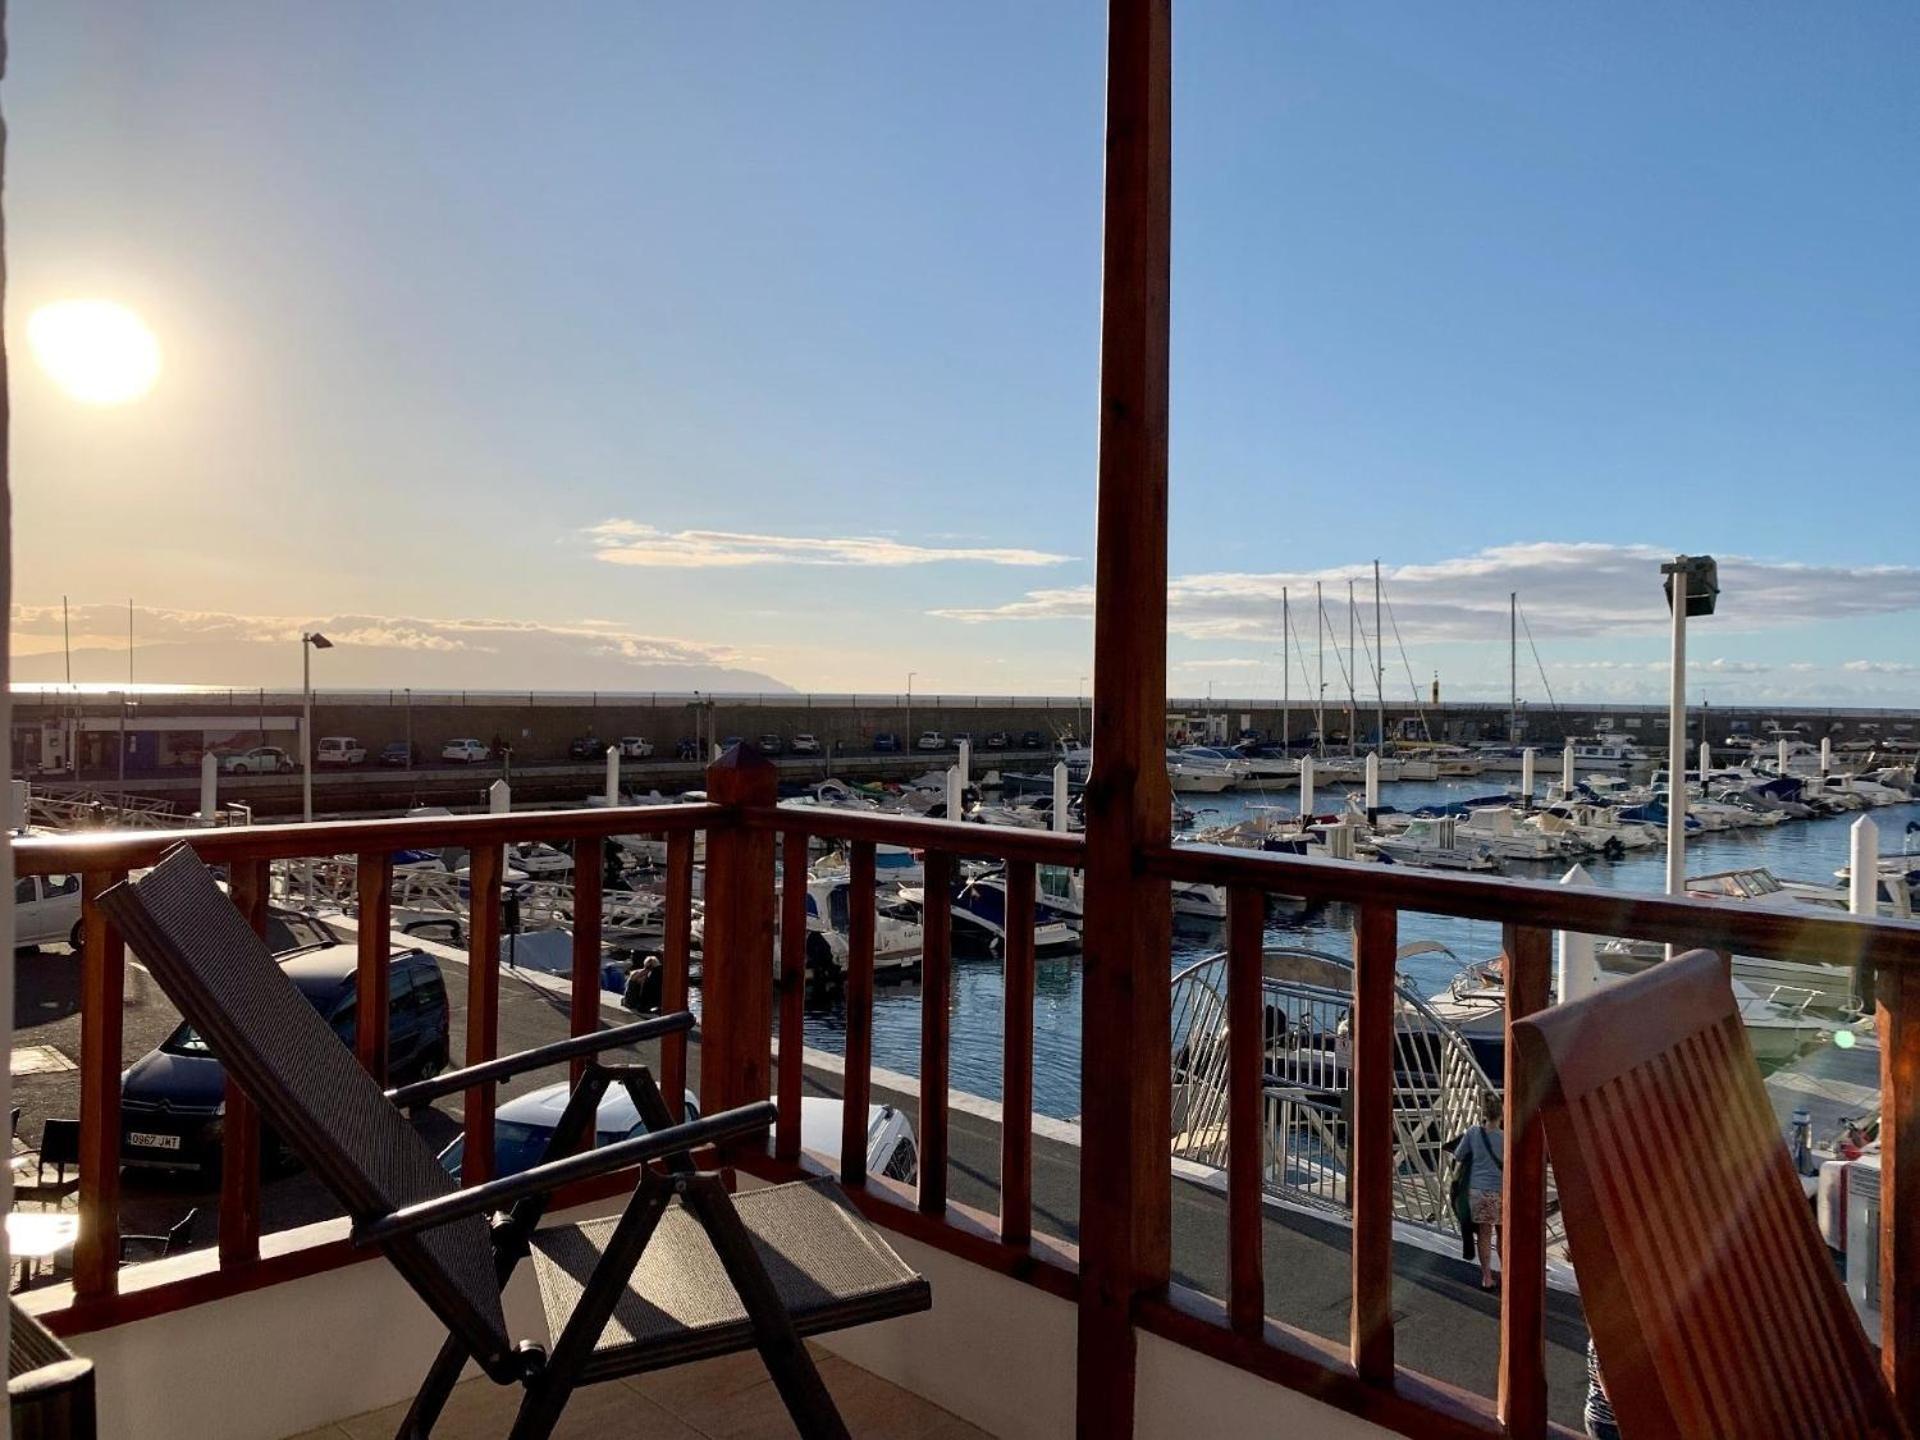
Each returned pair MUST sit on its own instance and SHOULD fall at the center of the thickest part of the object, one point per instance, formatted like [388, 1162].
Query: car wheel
[77, 937]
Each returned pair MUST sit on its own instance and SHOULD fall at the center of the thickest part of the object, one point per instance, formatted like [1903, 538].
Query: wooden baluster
[675, 965]
[936, 1028]
[250, 882]
[858, 1084]
[1016, 1108]
[1126, 1186]
[1522, 1403]
[589, 877]
[1246, 1108]
[96, 1254]
[483, 1006]
[373, 978]
[1370, 1163]
[793, 991]
[737, 950]
[1897, 1012]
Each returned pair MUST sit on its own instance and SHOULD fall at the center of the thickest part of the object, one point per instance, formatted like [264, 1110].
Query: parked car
[805, 744]
[635, 747]
[523, 1126]
[464, 752]
[46, 910]
[771, 744]
[1032, 740]
[173, 1098]
[339, 750]
[396, 752]
[586, 748]
[261, 760]
[999, 740]
[886, 742]
[930, 740]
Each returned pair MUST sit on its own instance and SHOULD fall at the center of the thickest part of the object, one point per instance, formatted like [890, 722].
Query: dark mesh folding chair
[684, 1273]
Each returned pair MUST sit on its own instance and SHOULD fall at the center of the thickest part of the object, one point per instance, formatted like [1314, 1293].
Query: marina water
[1799, 850]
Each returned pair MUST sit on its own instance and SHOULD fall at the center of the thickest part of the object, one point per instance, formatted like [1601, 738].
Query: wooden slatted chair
[1713, 1303]
[686, 1272]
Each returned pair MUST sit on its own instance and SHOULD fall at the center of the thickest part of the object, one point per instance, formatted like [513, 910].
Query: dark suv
[173, 1098]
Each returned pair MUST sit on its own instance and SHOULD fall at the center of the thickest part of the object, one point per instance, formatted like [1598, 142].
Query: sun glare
[98, 351]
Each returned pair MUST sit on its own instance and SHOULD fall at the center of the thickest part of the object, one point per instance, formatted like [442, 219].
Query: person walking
[1482, 1151]
[1597, 1413]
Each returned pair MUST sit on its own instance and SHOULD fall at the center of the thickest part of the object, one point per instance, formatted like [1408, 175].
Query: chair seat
[831, 1268]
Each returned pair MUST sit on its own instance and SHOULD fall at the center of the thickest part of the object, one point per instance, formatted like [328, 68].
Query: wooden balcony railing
[752, 992]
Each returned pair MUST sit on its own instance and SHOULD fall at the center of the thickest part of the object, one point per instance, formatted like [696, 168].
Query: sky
[634, 346]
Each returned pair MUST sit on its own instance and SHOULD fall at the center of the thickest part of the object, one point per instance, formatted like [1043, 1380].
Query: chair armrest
[543, 1179]
[505, 1067]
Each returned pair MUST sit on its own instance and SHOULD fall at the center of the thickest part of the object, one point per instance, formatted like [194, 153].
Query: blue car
[886, 742]
[173, 1098]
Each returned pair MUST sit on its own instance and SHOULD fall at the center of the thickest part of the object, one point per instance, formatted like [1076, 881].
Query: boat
[1433, 842]
[1496, 827]
[1196, 775]
[979, 909]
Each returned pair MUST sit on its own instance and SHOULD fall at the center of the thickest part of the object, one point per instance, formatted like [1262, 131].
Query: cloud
[1567, 590]
[628, 542]
[1881, 667]
[218, 648]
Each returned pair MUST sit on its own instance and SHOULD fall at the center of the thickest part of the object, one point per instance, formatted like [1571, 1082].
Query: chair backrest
[59, 1142]
[181, 1232]
[1710, 1295]
[309, 1086]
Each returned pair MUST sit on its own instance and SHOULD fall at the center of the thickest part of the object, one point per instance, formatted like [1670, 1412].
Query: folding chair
[59, 1150]
[1713, 1304]
[686, 1272]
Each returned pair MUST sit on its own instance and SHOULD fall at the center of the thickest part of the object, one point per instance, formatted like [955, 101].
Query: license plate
[153, 1142]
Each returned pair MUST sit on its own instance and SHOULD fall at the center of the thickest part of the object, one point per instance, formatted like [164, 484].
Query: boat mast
[1353, 674]
[1513, 666]
[1286, 659]
[1379, 668]
[1320, 662]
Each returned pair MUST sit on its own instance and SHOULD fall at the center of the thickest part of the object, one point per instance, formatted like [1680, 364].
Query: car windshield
[518, 1147]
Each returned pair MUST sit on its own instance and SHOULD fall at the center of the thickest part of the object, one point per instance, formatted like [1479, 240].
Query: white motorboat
[1195, 775]
[1497, 828]
[1433, 842]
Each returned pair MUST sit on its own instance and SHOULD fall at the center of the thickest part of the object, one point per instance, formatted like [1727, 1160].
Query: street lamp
[1698, 593]
[308, 644]
[907, 739]
[1079, 712]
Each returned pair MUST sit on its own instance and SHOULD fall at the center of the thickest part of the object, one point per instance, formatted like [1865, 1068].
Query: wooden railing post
[373, 885]
[1246, 1109]
[856, 1084]
[736, 1023]
[96, 1254]
[589, 878]
[1371, 1142]
[793, 990]
[1897, 994]
[676, 966]
[1126, 1188]
[1522, 1401]
[483, 1005]
[1016, 1089]
[936, 1029]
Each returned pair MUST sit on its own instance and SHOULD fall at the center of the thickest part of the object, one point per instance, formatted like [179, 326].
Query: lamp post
[906, 740]
[1079, 713]
[309, 642]
[1697, 593]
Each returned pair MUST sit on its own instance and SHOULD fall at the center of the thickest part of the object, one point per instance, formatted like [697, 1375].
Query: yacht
[1193, 774]
[1433, 842]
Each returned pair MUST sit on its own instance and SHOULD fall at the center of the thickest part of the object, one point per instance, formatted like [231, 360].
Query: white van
[46, 910]
[340, 750]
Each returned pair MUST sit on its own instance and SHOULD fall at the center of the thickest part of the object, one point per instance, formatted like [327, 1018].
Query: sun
[98, 351]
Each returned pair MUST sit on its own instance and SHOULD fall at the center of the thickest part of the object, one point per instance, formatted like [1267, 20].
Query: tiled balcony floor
[726, 1399]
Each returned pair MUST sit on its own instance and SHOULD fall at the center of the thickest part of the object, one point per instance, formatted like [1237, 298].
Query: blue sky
[594, 327]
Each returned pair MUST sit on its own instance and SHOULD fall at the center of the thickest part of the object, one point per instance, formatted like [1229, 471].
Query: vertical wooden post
[1016, 1084]
[1897, 996]
[936, 1028]
[856, 1085]
[675, 964]
[483, 1005]
[250, 882]
[1370, 1145]
[1125, 1183]
[589, 880]
[1522, 1401]
[793, 988]
[736, 1028]
[374, 975]
[103, 974]
[1246, 1108]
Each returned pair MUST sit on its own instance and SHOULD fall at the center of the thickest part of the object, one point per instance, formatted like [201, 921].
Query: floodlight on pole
[310, 641]
[1698, 594]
